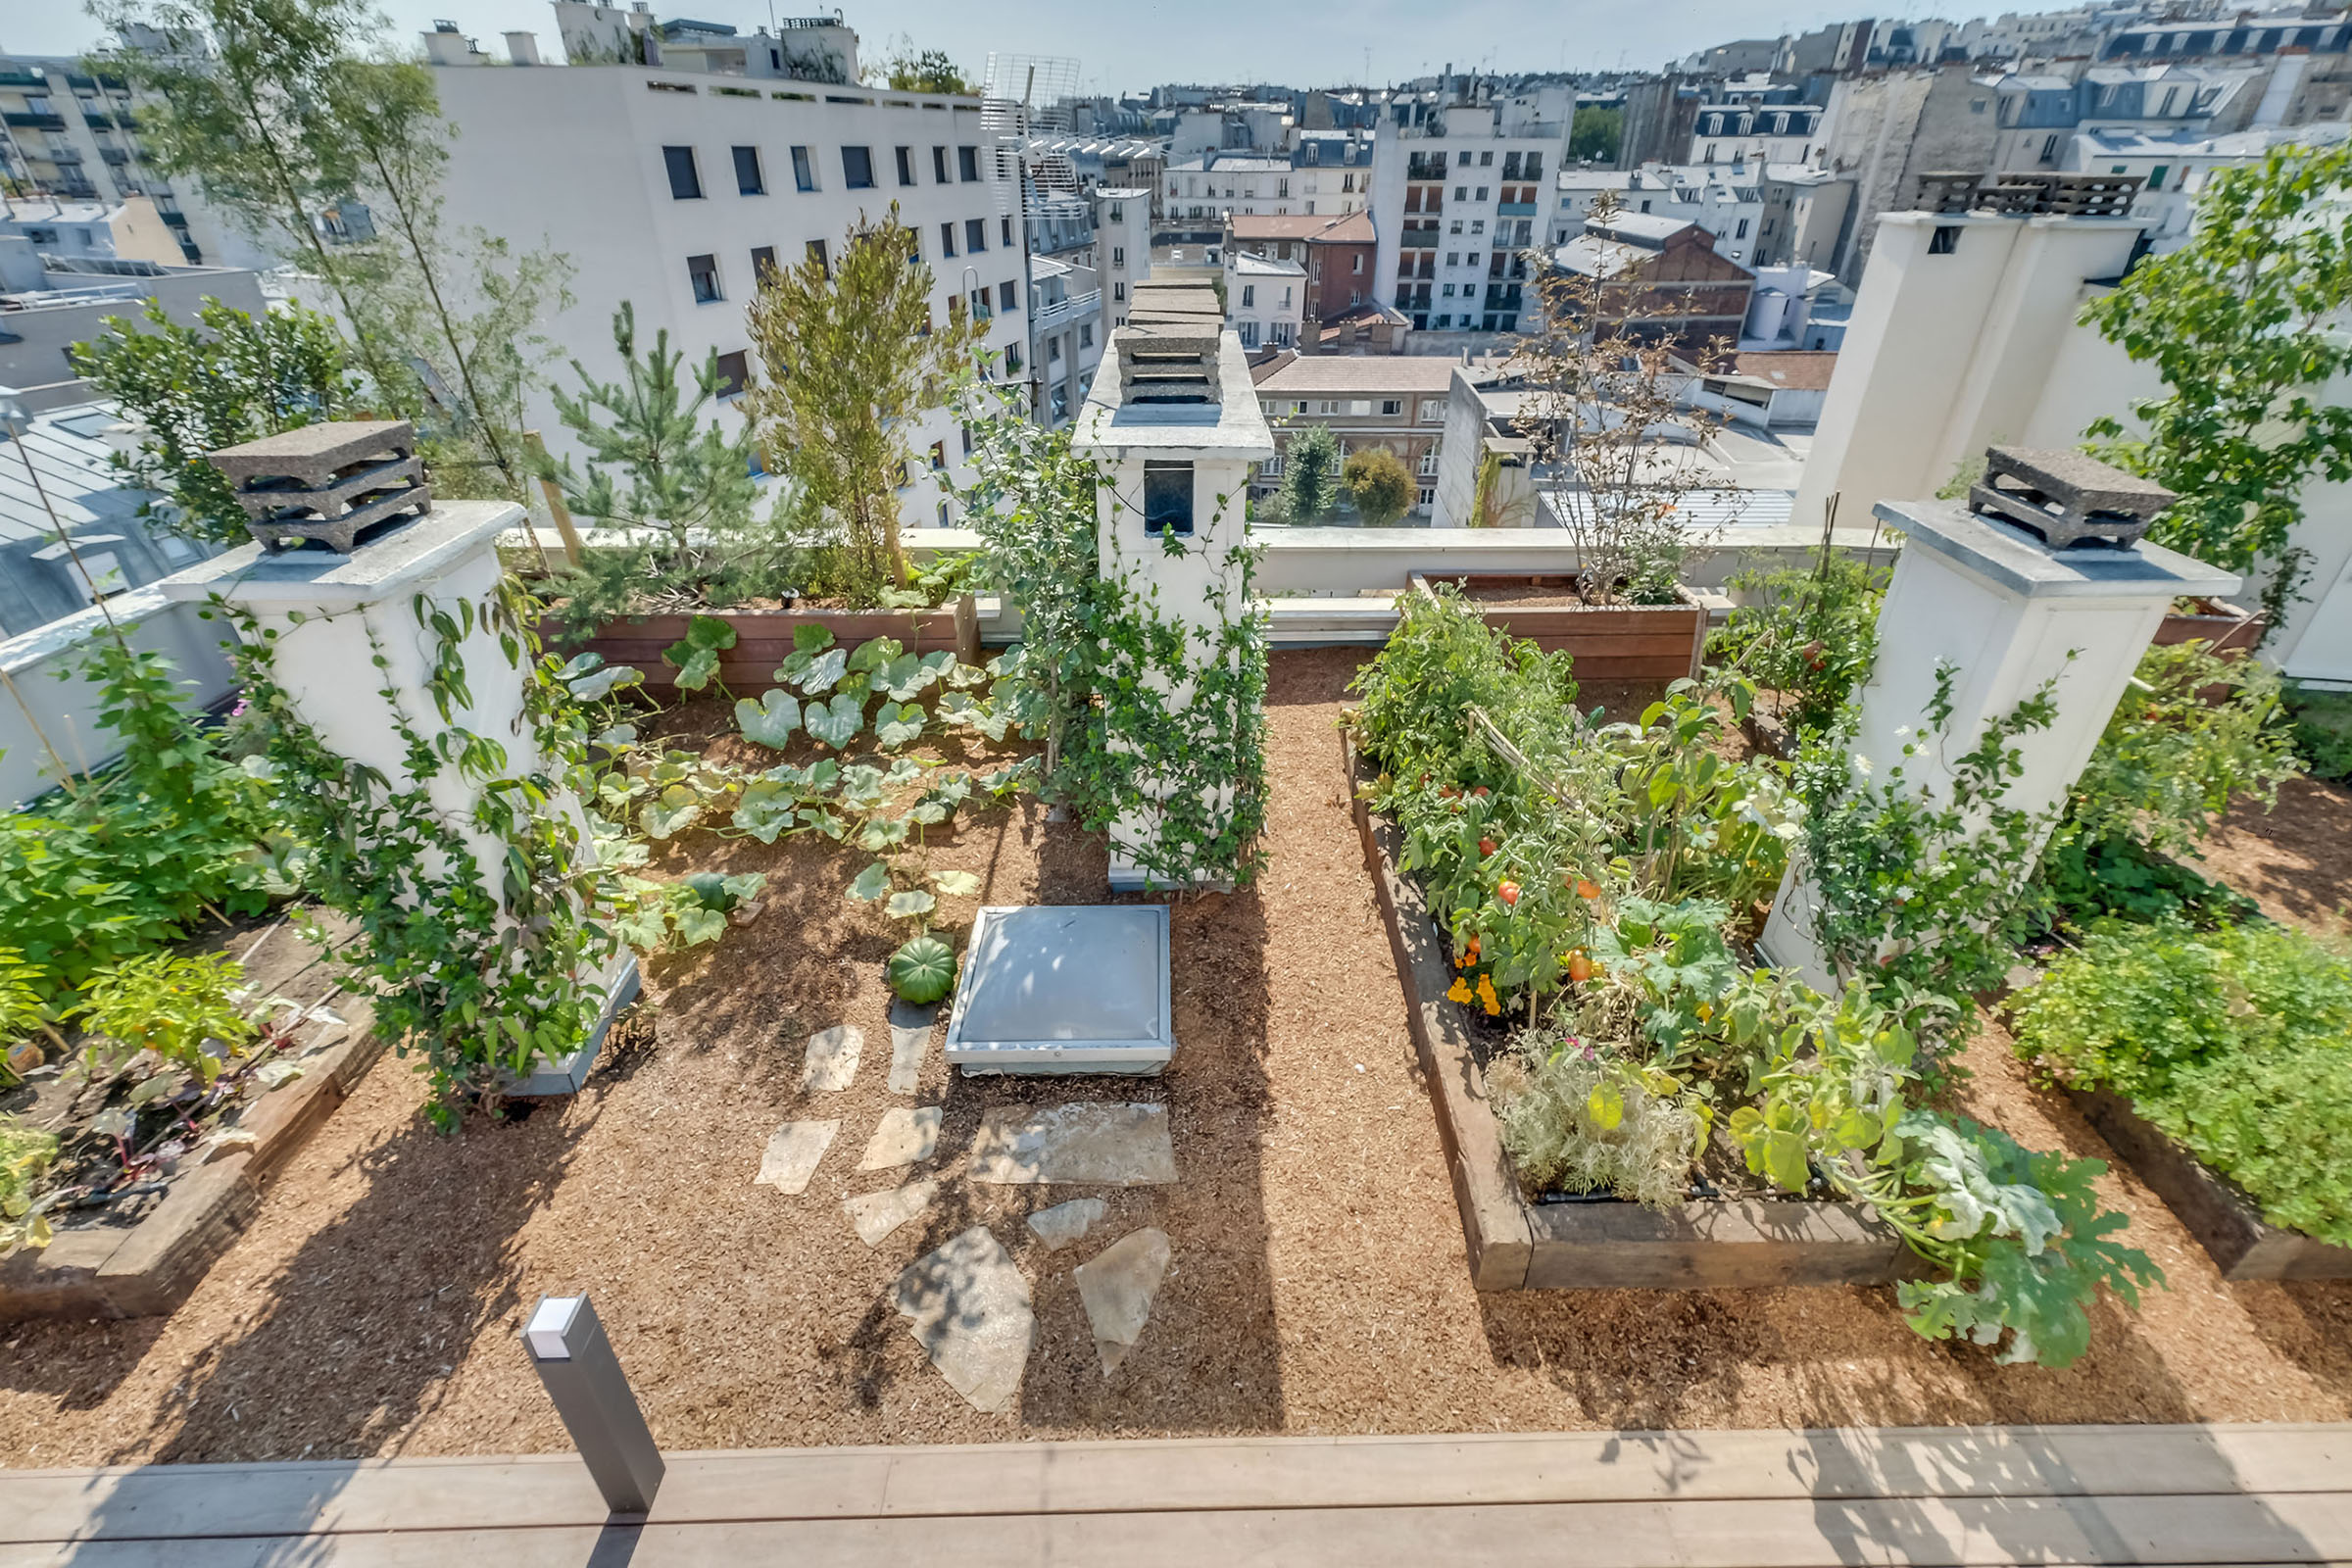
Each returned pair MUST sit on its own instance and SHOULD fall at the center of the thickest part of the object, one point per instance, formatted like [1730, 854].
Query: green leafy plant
[2232, 1042]
[26, 1155]
[479, 979]
[1810, 637]
[2323, 731]
[138, 856]
[1310, 476]
[849, 355]
[695, 656]
[692, 911]
[922, 970]
[174, 1007]
[1575, 1121]
[194, 389]
[2240, 325]
[1379, 485]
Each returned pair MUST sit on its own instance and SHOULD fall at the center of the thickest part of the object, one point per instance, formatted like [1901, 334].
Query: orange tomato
[1580, 967]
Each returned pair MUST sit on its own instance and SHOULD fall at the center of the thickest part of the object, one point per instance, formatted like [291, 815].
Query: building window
[1945, 240]
[906, 166]
[1167, 498]
[1486, 159]
[939, 166]
[804, 173]
[1429, 498]
[1742, 231]
[816, 254]
[967, 164]
[975, 235]
[1118, 292]
[1086, 334]
[1359, 263]
[858, 168]
[980, 309]
[1053, 349]
[1008, 298]
[703, 272]
[1118, 256]
[1012, 358]
[764, 262]
[947, 239]
[1461, 193]
[748, 181]
[1392, 404]
[734, 373]
[967, 438]
[1249, 296]
[1005, 231]
[939, 456]
[685, 181]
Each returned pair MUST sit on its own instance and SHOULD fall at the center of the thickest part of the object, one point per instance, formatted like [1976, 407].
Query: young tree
[2242, 324]
[655, 466]
[848, 357]
[1379, 484]
[1614, 443]
[194, 391]
[275, 111]
[1310, 476]
[1595, 134]
[925, 71]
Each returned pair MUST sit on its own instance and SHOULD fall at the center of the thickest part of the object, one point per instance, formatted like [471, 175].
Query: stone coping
[1516, 1245]
[387, 566]
[2012, 559]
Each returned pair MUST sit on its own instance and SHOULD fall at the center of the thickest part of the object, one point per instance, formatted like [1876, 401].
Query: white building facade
[671, 189]
[1458, 199]
[1122, 246]
[1265, 300]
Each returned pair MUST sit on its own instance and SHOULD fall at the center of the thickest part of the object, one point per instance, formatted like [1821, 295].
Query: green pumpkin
[923, 970]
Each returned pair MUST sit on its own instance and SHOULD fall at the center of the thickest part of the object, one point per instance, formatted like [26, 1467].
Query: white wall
[570, 159]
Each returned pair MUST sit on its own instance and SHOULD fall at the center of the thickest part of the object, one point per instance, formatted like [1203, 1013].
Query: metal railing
[1065, 311]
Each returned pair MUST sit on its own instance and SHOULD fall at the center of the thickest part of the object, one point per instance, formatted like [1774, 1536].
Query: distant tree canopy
[1380, 485]
[927, 71]
[1597, 134]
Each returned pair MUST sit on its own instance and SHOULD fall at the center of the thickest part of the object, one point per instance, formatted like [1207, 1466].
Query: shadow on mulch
[435, 1228]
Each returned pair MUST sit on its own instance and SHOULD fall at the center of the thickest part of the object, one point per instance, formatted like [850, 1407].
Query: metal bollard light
[583, 1377]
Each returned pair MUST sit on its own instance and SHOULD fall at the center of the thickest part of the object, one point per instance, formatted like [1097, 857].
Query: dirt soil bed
[1318, 1283]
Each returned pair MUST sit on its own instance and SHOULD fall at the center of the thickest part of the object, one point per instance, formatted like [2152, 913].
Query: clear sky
[1125, 45]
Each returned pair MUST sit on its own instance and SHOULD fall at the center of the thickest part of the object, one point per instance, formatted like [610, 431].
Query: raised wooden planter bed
[94, 1269]
[1608, 642]
[1515, 1245]
[2225, 1222]
[763, 639]
[2226, 627]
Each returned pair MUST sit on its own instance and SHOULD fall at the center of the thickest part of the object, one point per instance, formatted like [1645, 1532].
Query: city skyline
[1140, 46]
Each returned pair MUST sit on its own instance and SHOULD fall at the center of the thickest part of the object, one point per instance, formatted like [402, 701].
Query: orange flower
[1460, 991]
[1486, 997]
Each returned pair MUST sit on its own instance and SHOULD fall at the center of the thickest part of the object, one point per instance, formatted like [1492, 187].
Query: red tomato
[1508, 893]
[1486, 846]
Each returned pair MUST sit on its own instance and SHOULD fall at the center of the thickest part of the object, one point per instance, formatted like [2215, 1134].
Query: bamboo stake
[554, 503]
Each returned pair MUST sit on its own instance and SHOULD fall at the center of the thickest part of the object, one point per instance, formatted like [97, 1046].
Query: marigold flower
[1486, 994]
[1459, 990]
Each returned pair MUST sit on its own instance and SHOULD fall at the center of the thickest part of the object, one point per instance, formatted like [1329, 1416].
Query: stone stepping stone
[1057, 1227]
[904, 1138]
[832, 1060]
[968, 1305]
[1088, 1143]
[793, 1152]
[1117, 1286]
[876, 1215]
[906, 1049]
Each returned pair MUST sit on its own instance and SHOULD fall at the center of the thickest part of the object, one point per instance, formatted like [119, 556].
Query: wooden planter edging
[1515, 1245]
[2224, 1221]
[2227, 628]
[147, 1269]
[1607, 642]
[763, 639]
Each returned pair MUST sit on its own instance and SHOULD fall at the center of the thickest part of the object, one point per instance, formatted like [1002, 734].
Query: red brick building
[1337, 253]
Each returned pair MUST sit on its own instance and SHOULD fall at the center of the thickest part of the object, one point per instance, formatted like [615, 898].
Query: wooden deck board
[1964, 1496]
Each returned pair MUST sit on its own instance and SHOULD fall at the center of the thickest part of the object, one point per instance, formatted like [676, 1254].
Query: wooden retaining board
[147, 1269]
[1515, 1245]
[763, 639]
[1607, 642]
[2225, 1222]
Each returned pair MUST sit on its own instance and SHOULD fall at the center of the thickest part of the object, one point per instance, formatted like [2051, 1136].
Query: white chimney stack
[522, 48]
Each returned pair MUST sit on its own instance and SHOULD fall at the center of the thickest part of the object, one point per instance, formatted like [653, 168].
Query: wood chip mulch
[1318, 1283]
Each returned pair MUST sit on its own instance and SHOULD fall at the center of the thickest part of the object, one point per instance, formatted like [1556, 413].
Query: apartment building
[1323, 173]
[60, 280]
[1066, 337]
[1265, 299]
[671, 188]
[75, 136]
[1394, 401]
[2175, 165]
[1460, 193]
[1340, 257]
[1658, 277]
[1755, 133]
[1122, 245]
